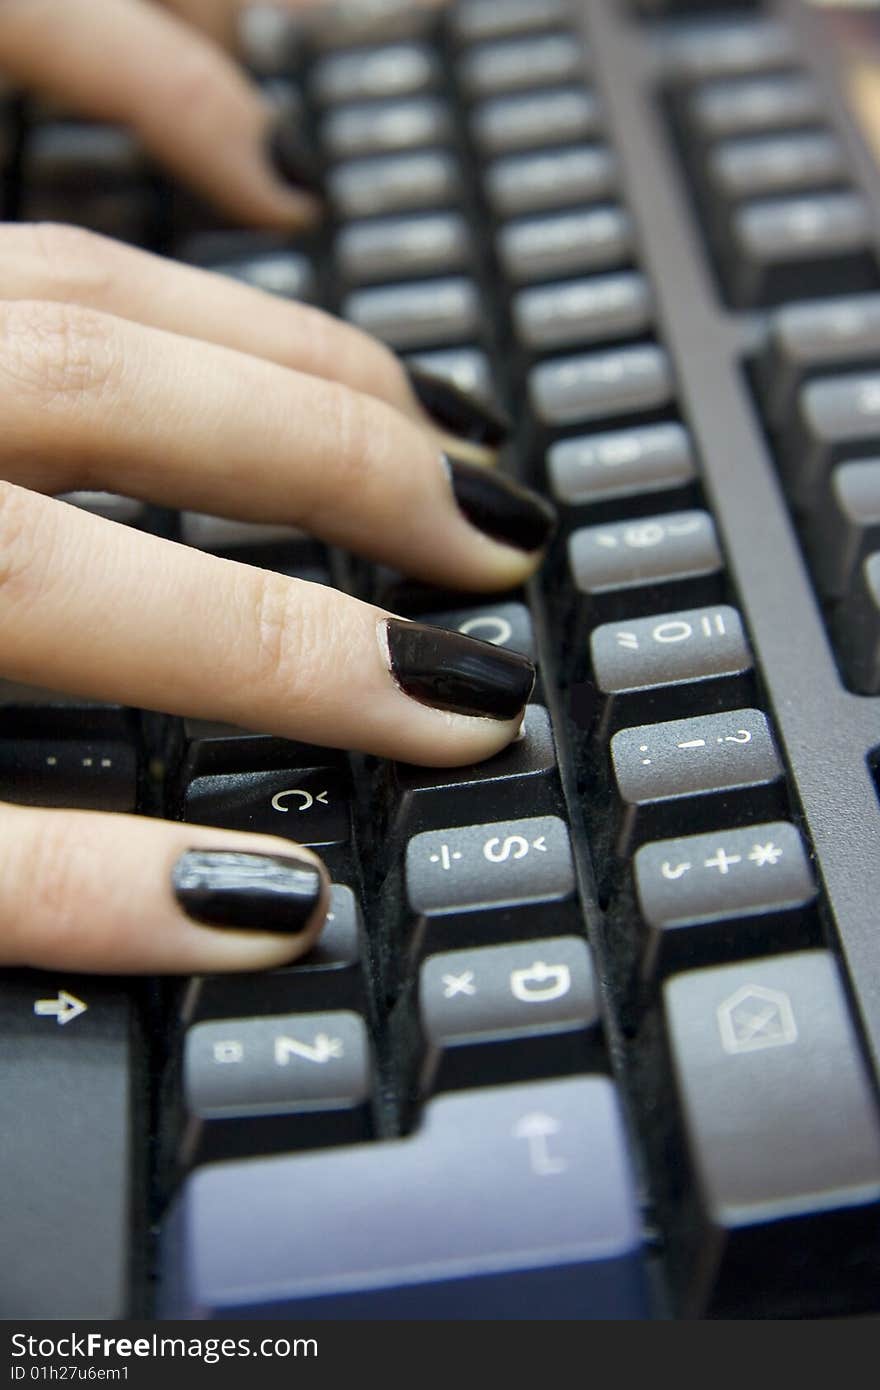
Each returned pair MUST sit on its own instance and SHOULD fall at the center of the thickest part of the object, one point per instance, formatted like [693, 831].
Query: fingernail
[292, 157]
[250, 892]
[460, 674]
[458, 411]
[501, 508]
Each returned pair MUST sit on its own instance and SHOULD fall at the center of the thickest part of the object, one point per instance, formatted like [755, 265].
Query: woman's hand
[121, 371]
[166, 75]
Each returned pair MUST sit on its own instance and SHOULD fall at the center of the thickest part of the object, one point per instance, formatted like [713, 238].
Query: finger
[91, 401]
[67, 264]
[191, 106]
[90, 607]
[127, 895]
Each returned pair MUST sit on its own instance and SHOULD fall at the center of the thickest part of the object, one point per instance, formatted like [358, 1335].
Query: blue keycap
[514, 1202]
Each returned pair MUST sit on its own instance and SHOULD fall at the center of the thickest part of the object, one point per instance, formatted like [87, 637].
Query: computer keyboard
[593, 1029]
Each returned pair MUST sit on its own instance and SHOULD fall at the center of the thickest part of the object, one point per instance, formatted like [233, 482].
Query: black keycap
[505, 1013]
[565, 243]
[92, 174]
[676, 776]
[621, 463]
[524, 776]
[71, 1048]
[523, 183]
[837, 419]
[505, 124]
[260, 1085]
[468, 368]
[754, 105]
[601, 385]
[856, 627]
[780, 245]
[782, 1135]
[85, 774]
[507, 625]
[759, 166]
[678, 550]
[509, 1203]
[670, 664]
[210, 749]
[692, 888]
[845, 530]
[331, 976]
[808, 339]
[594, 310]
[310, 805]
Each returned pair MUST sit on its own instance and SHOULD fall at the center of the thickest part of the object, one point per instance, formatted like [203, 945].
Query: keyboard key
[689, 887]
[506, 625]
[856, 628]
[210, 749]
[520, 183]
[423, 180]
[597, 309]
[621, 463]
[368, 74]
[374, 128]
[724, 47]
[83, 774]
[846, 528]
[221, 533]
[468, 368]
[283, 273]
[672, 777]
[781, 244]
[508, 1203]
[532, 119]
[71, 1047]
[536, 248]
[517, 64]
[310, 805]
[680, 548]
[503, 1013]
[601, 385]
[761, 165]
[474, 20]
[331, 976]
[810, 338]
[257, 1085]
[127, 511]
[391, 248]
[754, 105]
[837, 418]
[418, 314]
[755, 1047]
[485, 866]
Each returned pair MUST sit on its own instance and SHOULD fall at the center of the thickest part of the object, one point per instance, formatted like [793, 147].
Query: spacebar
[66, 1146]
[514, 1202]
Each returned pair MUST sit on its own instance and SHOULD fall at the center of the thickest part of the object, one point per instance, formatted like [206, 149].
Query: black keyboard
[593, 1028]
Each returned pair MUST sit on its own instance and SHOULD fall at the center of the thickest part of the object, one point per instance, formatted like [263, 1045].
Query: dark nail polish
[292, 157]
[452, 672]
[501, 508]
[251, 892]
[458, 411]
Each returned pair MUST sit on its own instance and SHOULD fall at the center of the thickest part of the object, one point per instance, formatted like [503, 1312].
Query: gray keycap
[836, 418]
[689, 757]
[506, 625]
[502, 991]
[856, 627]
[475, 20]
[620, 463]
[600, 385]
[394, 183]
[468, 368]
[669, 649]
[754, 105]
[517, 64]
[812, 337]
[365, 74]
[385, 127]
[723, 875]
[843, 532]
[276, 1065]
[220, 533]
[600, 308]
[417, 315]
[781, 1127]
[535, 248]
[488, 866]
[722, 48]
[284, 273]
[396, 247]
[532, 119]
[777, 237]
[126, 510]
[520, 183]
[652, 550]
[760, 165]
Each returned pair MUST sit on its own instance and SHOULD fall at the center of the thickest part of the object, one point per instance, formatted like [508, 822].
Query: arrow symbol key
[64, 1008]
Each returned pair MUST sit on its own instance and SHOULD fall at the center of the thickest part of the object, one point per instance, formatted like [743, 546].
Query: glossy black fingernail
[452, 672]
[458, 411]
[501, 508]
[292, 156]
[250, 892]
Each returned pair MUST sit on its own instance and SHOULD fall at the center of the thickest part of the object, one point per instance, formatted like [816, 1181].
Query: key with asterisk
[743, 890]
